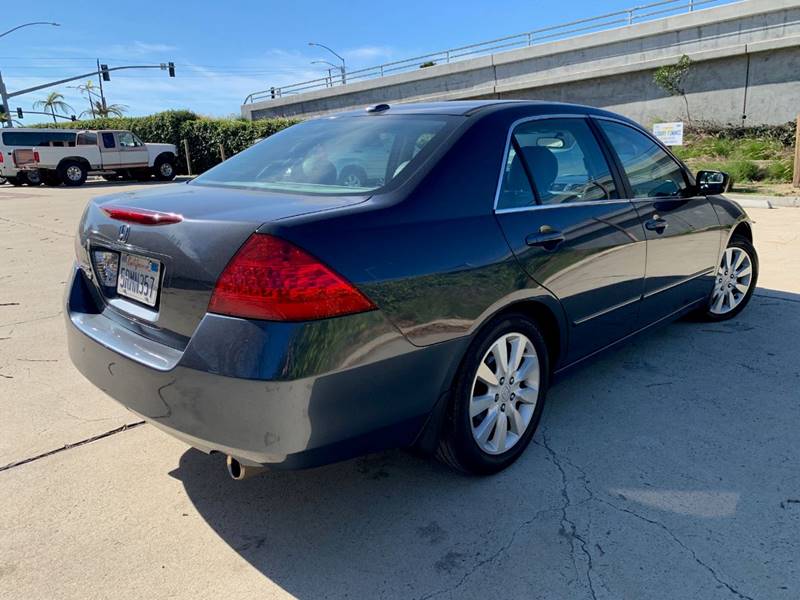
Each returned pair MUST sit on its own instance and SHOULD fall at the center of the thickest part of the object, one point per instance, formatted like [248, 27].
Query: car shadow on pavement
[667, 468]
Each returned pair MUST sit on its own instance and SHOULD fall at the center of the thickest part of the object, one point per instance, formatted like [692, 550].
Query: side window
[87, 138]
[108, 140]
[564, 160]
[652, 173]
[126, 140]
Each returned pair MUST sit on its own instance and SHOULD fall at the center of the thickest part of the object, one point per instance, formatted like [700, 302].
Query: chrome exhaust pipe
[238, 471]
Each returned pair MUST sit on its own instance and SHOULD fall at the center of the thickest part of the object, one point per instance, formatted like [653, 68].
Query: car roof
[471, 107]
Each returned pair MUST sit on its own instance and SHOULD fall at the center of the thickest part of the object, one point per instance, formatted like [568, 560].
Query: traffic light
[19, 112]
[104, 71]
[171, 68]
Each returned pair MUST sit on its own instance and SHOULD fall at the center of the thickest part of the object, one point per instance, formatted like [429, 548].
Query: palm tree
[108, 110]
[52, 104]
[90, 89]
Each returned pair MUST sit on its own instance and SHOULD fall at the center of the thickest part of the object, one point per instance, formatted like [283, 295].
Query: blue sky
[223, 51]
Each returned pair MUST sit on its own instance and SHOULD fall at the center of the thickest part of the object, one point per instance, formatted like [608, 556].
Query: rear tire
[495, 409]
[734, 282]
[33, 178]
[72, 173]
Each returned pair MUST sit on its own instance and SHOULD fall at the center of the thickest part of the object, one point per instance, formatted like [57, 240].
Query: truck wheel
[164, 169]
[50, 178]
[72, 173]
[32, 178]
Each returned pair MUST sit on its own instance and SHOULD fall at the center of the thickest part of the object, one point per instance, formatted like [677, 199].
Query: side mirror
[711, 183]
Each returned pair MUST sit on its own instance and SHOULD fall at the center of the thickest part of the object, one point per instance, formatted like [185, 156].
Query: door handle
[656, 224]
[549, 240]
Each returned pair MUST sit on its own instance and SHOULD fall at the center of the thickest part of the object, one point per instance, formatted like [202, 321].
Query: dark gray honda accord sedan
[399, 276]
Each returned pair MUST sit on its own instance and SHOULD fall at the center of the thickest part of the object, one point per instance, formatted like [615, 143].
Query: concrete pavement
[667, 469]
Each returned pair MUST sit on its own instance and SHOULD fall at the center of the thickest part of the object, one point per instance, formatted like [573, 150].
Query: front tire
[164, 169]
[72, 173]
[734, 282]
[498, 397]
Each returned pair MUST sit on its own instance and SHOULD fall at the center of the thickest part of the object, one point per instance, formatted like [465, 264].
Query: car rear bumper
[286, 394]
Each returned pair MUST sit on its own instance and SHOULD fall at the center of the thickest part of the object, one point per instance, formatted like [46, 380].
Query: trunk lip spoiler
[141, 216]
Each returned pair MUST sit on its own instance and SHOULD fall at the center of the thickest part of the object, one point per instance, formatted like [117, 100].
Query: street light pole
[329, 82]
[343, 68]
[28, 25]
[3, 91]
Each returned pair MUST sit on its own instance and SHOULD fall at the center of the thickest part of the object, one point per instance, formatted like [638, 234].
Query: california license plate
[138, 278]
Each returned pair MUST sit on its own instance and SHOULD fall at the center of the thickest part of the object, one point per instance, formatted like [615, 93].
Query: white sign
[670, 134]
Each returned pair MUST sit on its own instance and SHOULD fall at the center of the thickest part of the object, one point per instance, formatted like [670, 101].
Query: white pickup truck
[114, 154]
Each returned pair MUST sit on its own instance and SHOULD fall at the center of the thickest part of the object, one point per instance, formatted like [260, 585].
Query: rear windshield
[35, 138]
[335, 156]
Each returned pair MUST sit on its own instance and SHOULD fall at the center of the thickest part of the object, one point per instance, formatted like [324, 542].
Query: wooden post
[222, 152]
[188, 157]
[796, 181]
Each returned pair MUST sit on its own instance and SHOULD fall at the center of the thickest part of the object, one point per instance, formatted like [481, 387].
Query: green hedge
[203, 134]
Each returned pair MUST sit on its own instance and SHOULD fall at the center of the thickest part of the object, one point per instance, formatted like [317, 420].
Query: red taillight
[141, 216]
[1, 157]
[35, 156]
[271, 279]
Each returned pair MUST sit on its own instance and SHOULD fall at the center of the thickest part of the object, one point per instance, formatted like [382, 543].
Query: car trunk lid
[186, 254]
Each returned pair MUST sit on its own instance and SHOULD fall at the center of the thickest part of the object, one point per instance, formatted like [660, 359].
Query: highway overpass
[746, 55]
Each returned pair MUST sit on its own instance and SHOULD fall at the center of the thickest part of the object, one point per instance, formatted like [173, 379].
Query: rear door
[682, 228]
[109, 150]
[562, 212]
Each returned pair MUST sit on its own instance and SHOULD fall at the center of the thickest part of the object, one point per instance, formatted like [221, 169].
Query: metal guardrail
[636, 14]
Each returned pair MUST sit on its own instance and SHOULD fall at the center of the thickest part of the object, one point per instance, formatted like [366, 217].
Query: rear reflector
[272, 279]
[35, 156]
[140, 215]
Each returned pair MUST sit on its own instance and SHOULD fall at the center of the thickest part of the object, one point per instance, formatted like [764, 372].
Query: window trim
[538, 206]
[688, 179]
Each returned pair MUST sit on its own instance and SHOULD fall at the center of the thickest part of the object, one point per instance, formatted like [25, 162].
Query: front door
[682, 229]
[565, 220]
[132, 152]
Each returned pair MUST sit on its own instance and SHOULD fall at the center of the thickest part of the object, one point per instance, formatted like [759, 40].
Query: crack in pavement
[667, 530]
[572, 533]
[490, 559]
[94, 438]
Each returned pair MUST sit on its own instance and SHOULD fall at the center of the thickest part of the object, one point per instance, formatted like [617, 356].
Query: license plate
[138, 278]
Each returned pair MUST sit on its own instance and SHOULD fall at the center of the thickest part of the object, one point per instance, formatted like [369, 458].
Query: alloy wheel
[733, 280]
[74, 173]
[165, 169]
[505, 391]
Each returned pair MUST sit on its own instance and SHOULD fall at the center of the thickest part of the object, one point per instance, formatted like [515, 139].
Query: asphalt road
[667, 469]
